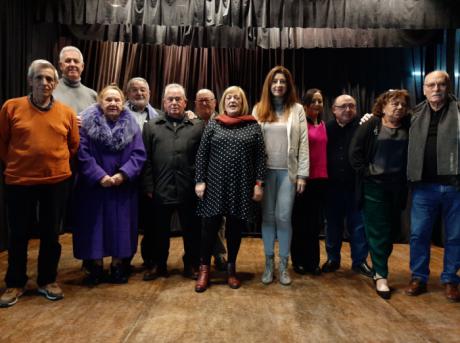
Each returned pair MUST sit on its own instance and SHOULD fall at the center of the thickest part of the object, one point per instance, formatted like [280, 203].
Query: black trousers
[307, 222]
[211, 227]
[155, 244]
[21, 211]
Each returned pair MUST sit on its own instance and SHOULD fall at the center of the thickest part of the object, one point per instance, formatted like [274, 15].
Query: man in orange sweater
[38, 136]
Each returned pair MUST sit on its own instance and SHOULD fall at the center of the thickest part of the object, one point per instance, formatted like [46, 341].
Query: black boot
[96, 274]
[118, 274]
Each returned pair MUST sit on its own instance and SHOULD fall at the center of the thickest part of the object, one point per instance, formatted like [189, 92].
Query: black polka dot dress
[230, 159]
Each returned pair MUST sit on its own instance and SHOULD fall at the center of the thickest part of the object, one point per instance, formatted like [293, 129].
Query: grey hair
[446, 78]
[137, 79]
[175, 85]
[70, 48]
[41, 64]
[204, 90]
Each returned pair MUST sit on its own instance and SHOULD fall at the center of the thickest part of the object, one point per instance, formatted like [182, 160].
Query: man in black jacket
[340, 197]
[171, 141]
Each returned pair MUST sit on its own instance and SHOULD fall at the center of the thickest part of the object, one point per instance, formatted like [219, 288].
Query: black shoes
[382, 294]
[330, 266]
[363, 269]
[118, 274]
[152, 273]
[95, 276]
[299, 269]
[190, 272]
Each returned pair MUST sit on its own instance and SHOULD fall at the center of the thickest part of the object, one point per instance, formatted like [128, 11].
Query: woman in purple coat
[110, 159]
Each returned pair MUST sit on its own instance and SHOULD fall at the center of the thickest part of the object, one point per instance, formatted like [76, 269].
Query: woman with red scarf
[230, 170]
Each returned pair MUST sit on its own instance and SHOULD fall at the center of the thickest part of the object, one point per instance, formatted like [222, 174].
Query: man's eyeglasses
[204, 101]
[344, 106]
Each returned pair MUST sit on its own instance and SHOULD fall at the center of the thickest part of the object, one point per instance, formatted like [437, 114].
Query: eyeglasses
[433, 85]
[344, 106]
[204, 101]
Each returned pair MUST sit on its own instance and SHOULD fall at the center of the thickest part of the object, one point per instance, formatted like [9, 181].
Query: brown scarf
[232, 121]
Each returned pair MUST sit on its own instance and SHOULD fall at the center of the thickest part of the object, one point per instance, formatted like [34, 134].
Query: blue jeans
[340, 207]
[429, 200]
[277, 206]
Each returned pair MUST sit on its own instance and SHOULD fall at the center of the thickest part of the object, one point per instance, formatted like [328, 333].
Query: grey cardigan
[447, 140]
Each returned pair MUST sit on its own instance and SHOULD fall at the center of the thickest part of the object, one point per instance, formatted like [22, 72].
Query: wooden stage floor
[337, 307]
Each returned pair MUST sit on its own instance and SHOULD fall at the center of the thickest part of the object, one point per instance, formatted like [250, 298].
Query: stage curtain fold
[250, 38]
[407, 14]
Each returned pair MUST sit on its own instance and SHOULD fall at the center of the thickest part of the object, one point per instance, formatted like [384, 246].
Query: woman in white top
[284, 126]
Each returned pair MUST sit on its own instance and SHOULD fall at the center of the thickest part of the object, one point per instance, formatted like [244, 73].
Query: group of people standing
[137, 167]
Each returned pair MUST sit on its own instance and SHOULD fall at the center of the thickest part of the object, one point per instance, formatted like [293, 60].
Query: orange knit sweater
[35, 145]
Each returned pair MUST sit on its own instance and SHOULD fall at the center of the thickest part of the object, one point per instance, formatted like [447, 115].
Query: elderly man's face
[344, 109]
[43, 83]
[174, 102]
[71, 65]
[435, 88]
[138, 95]
[205, 105]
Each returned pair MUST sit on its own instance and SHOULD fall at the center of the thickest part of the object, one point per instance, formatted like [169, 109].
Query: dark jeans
[21, 210]
[340, 209]
[307, 222]
[209, 233]
[155, 244]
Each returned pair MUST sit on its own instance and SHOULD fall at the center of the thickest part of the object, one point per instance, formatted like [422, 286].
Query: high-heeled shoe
[382, 294]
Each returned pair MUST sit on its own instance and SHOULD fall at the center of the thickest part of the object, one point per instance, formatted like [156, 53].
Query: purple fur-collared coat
[106, 218]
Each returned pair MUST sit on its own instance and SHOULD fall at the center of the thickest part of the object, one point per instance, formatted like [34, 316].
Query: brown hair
[307, 99]
[240, 92]
[112, 86]
[265, 111]
[385, 98]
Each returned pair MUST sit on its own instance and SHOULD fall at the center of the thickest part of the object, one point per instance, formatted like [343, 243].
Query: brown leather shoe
[203, 279]
[452, 293]
[232, 280]
[416, 287]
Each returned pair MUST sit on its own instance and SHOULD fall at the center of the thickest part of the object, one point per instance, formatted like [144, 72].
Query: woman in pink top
[307, 216]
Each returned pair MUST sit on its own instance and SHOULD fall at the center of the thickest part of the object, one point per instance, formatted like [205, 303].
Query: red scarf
[232, 121]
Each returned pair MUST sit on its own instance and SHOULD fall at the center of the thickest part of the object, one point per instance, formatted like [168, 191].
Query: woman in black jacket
[378, 153]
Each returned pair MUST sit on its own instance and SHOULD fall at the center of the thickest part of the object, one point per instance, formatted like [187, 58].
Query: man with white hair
[433, 168]
[70, 90]
[138, 95]
[171, 142]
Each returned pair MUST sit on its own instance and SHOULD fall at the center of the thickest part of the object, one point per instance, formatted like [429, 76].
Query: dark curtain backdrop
[252, 37]
[363, 73]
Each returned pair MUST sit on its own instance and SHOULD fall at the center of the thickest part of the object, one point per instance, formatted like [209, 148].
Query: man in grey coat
[434, 170]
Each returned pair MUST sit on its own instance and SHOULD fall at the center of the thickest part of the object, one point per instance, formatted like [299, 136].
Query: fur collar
[115, 137]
